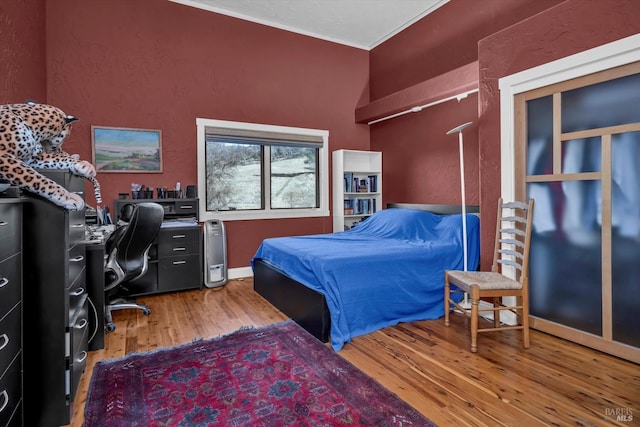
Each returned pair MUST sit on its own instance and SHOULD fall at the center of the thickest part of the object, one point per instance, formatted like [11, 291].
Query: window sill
[258, 215]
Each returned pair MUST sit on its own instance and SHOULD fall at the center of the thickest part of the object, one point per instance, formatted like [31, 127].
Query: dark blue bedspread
[388, 269]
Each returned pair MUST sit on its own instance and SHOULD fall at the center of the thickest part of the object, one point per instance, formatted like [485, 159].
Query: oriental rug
[276, 375]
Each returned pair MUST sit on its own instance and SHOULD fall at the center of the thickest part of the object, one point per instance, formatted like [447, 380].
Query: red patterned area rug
[277, 375]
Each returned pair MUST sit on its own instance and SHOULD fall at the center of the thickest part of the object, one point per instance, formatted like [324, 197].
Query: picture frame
[126, 150]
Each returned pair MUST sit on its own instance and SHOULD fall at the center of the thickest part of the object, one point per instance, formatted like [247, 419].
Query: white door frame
[610, 55]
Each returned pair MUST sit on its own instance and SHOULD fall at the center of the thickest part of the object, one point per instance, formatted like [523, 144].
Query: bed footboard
[303, 305]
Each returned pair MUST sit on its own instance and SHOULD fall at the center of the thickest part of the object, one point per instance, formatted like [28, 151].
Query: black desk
[95, 289]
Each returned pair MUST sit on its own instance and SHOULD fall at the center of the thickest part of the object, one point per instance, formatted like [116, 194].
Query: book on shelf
[360, 184]
[359, 206]
[348, 182]
[373, 183]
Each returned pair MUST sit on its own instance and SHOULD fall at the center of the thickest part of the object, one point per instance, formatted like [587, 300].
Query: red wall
[420, 162]
[161, 65]
[22, 45]
[569, 28]
[443, 40]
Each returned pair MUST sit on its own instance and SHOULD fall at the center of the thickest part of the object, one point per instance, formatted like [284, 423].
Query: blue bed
[388, 269]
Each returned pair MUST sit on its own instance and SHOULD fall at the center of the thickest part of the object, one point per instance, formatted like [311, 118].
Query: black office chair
[127, 250]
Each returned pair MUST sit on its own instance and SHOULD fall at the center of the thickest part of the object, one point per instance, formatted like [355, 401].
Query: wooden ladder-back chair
[511, 250]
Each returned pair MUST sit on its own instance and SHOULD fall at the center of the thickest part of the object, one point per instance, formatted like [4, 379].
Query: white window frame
[267, 213]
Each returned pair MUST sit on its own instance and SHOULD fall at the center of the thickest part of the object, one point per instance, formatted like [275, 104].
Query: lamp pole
[459, 130]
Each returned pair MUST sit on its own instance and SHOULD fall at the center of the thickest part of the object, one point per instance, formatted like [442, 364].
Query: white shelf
[366, 166]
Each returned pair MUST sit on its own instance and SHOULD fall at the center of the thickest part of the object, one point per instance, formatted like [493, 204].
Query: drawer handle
[77, 225]
[179, 236]
[77, 292]
[5, 396]
[83, 356]
[179, 249]
[5, 340]
[83, 324]
[186, 207]
[2, 223]
[77, 258]
[179, 262]
[4, 282]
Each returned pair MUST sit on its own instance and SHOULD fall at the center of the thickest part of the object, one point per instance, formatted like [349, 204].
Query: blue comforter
[388, 269]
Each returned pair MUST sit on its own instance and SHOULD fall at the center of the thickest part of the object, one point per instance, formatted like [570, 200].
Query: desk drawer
[79, 362]
[186, 208]
[178, 241]
[10, 390]
[80, 347]
[76, 226]
[10, 230]
[77, 261]
[10, 337]
[79, 321]
[178, 273]
[77, 293]
[9, 283]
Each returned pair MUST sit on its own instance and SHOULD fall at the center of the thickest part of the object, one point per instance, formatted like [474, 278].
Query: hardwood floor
[555, 382]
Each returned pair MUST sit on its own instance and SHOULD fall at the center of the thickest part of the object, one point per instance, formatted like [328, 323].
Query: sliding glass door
[577, 154]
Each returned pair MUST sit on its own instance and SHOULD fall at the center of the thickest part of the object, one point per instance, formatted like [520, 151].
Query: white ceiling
[359, 23]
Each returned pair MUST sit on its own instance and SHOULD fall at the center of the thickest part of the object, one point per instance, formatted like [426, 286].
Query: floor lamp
[459, 130]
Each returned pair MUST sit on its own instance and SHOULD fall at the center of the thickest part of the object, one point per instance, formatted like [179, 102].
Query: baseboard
[239, 272]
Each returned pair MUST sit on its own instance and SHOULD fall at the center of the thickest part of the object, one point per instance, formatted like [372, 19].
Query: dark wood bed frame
[305, 306]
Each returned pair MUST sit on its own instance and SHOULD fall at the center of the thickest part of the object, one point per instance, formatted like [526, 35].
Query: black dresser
[55, 304]
[10, 312]
[175, 258]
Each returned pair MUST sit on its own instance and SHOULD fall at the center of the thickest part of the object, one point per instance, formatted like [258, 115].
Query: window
[257, 171]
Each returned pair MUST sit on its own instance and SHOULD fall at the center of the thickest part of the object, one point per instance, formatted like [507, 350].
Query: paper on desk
[179, 222]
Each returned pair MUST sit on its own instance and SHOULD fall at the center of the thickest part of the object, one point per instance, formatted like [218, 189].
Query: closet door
[578, 156]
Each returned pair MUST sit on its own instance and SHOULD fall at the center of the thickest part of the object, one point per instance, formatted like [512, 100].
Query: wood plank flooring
[555, 382]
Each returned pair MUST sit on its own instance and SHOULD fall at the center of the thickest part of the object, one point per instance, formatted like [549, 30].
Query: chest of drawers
[56, 304]
[10, 312]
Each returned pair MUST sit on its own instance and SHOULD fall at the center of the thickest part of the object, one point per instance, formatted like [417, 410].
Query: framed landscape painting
[126, 150]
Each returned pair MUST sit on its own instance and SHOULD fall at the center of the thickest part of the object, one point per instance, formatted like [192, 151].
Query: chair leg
[496, 313]
[525, 321]
[121, 304]
[109, 326]
[447, 294]
[475, 297]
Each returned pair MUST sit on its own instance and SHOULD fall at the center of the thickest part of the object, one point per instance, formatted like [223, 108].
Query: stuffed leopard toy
[31, 136]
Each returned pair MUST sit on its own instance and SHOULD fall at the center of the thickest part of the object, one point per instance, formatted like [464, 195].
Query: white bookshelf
[353, 202]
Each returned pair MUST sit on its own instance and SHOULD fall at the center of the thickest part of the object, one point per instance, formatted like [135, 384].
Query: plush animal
[31, 136]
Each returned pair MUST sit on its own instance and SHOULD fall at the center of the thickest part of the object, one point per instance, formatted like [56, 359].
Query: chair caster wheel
[146, 312]
[110, 327]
